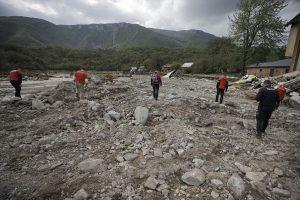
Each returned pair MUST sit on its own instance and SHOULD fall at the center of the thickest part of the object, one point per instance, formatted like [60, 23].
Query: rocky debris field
[119, 143]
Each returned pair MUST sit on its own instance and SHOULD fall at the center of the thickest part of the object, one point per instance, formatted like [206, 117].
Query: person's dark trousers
[155, 90]
[262, 120]
[220, 92]
[17, 86]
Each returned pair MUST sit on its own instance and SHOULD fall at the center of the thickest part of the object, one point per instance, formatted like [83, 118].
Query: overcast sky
[207, 15]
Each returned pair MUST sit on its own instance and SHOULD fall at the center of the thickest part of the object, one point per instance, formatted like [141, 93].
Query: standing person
[80, 77]
[15, 77]
[156, 82]
[268, 100]
[281, 91]
[222, 86]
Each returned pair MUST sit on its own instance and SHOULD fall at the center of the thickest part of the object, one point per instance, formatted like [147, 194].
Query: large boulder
[141, 115]
[195, 177]
[236, 185]
[62, 92]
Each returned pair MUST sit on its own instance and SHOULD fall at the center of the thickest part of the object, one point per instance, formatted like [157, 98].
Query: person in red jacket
[222, 86]
[80, 77]
[156, 82]
[15, 77]
[281, 91]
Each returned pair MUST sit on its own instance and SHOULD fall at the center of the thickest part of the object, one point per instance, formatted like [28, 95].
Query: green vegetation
[220, 55]
[257, 24]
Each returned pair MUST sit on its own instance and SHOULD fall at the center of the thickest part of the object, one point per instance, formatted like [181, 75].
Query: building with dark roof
[293, 46]
[269, 69]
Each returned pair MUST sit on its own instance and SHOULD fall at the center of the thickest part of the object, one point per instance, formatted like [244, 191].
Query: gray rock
[214, 194]
[37, 104]
[256, 176]
[90, 164]
[278, 172]
[180, 151]
[58, 104]
[294, 101]
[242, 168]
[216, 182]
[151, 183]
[81, 195]
[119, 158]
[270, 153]
[114, 115]
[198, 162]
[281, 192]
[158, 152]
[141, 115]
[130, 156]
[236, 185]
[195, 177]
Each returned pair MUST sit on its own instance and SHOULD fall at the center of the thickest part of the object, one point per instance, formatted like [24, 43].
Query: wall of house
[266, 71]
[293, 47]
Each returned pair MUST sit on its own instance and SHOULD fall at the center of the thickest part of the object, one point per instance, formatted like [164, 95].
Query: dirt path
[53, 151]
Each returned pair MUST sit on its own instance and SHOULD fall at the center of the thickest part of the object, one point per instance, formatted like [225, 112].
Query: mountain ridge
[35, 32]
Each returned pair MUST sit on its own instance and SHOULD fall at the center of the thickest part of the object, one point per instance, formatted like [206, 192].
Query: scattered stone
[151, 183]
[278, 172]
[214, 194]
[270, 153]
[58, 104]
[119, 158]
[281, 192]
[114, 115]
[37, 104]
[256, 176]
[141, 115]
[198, 162]
[130, 156]
[81, 195]
[158, 152]
[236, 185]
[216, 182]
[195, 177]
[90, 164]
[242, 168]
[180, 151]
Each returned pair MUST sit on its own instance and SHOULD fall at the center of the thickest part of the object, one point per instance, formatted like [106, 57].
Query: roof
[187, 65]
[295, 20]
[276, 64]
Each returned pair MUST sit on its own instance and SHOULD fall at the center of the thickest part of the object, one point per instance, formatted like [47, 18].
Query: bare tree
[257, 23]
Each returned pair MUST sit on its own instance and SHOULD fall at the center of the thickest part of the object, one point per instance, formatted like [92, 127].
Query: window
[287, 70]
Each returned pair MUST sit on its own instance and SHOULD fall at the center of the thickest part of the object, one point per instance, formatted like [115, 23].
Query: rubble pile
[119, 143]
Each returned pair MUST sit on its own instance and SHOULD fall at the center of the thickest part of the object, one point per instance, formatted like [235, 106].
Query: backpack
[154, 78]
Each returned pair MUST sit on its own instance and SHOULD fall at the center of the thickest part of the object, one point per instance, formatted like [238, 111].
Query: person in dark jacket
[15, 77]
[156, 82]
[222, 86]
[268, 100]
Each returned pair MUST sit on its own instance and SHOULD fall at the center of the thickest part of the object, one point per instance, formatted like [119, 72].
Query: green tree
[257, 23]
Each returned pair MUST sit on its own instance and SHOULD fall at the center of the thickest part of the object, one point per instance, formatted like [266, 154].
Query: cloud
[207, 15]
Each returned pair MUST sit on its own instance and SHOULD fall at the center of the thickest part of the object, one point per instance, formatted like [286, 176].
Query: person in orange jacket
[281, 91]
[80, 77]
[15, 77]
[222, 86]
